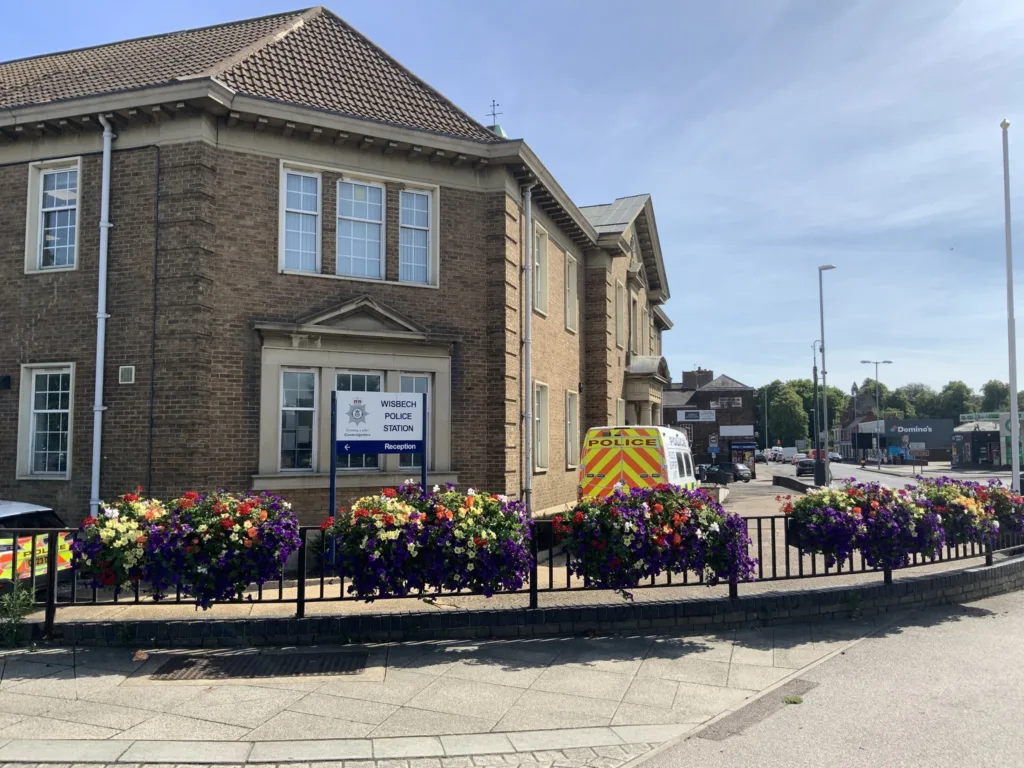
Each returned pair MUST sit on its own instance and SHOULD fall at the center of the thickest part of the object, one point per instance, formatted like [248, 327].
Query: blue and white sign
[379, 422]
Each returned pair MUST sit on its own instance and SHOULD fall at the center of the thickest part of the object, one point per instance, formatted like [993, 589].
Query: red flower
[389, 520]
[577, 518]
[326, 523]
[227, 523]
[129, 497]
[615, 563]
[677, 539]
[90, 520]
[190, 495]
[389, 493]
[359, 513]
[107, 578]
[658, 508]
[479, 542]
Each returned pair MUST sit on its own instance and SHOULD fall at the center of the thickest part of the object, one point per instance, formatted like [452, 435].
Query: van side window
[689, 466]
[681, 464]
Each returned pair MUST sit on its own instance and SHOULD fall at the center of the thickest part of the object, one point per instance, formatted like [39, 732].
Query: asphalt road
[889, 474]
[943, 688]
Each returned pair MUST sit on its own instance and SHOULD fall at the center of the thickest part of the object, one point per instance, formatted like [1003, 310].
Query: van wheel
[746, 479]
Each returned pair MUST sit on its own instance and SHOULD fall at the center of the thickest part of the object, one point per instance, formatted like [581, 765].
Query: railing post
[533, 566]
[300, 597]
[888, 575]
[734, 589]
[988, 553]
[53, 541]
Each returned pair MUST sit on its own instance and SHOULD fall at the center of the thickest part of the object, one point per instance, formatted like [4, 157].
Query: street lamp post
[820, 477]
[878, 412]
[824, 384]
[1011, 322]
[853, 391]
[766, 422]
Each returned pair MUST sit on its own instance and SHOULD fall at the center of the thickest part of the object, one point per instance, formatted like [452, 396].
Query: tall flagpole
[1011, 323]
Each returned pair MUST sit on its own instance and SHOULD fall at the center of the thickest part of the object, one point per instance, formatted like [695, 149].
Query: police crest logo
[357, 412]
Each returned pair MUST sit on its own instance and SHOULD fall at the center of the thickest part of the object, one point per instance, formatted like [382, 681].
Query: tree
[956, 398]
[837, 404]
[923, 398]
[788, 418]
[759, 404]
[995, 396]
[899, 402]
[866, 396]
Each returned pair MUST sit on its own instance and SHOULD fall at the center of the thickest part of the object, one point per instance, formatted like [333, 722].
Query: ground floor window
[419, 385]
[45, 421]
[298, 418]
[356, 381]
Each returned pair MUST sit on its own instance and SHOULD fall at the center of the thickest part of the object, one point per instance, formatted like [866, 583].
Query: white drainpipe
[528, 347]
[101, 319]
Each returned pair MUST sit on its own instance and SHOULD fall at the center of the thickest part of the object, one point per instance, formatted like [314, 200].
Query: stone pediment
[362, 315]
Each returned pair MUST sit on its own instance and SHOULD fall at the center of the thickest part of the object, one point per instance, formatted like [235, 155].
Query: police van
[638, 457]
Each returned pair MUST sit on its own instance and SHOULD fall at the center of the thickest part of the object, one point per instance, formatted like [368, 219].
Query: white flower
[644, 506]
[410, 481]
[469, 566]
[700, 534]
[110, 513]
[437, 488]
[471, 492]
[503, 498]
[714, 527]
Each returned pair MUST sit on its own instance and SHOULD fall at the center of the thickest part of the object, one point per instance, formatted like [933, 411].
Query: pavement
[943, 687]
[554, 702]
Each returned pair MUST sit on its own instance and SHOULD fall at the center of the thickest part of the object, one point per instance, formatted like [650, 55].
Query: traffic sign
[712, 439]
[712, 449]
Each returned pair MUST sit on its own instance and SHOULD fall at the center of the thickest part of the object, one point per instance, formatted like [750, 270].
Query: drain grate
[260, 665]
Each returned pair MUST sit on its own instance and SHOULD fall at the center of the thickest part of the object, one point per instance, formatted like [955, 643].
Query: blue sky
[773, 135]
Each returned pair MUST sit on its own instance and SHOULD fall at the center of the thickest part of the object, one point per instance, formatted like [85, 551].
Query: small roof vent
[497, 130]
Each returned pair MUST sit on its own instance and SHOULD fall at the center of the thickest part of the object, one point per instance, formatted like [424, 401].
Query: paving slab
[52, 728]
[590, 683]
[419, 722]
[413, 746]
[649, 733]
[63, 750]
[397, 687]
[295, 751]
[179, 728]
[342, 708]
[298, 725]
[466, 697]
[186, 752]
[542, 709]
[755, 677]
[563, 738]
[651, 692]
[476, 744]
[242, 705]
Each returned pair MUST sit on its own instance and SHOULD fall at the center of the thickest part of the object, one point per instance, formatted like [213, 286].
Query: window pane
[51, 400]
[301, 193]
[413, 255]
[298, 389]
[300, 241]
[414, 383]
[359, 249]
[296, 439]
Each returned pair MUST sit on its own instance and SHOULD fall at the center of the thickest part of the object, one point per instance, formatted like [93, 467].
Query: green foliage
[995, 396]
[793, 700]
[788, 417]
[14, 607]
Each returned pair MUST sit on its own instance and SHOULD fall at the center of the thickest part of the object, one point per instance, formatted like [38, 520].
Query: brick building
[712, 409]
[291, 211]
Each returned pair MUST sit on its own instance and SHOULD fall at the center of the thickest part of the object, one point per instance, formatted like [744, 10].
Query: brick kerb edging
[691, 615]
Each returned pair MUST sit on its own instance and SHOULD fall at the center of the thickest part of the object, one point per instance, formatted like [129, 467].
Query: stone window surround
[33, 215]
[541, 275]
[362, 177]
[23, 469]
[542, 427]
[620, 315]
[341, 353]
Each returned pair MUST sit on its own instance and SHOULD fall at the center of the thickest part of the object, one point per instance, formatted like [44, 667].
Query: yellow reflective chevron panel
[632, 455]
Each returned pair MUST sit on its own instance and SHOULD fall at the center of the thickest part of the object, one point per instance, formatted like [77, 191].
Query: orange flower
[253, 533]
[658, 508]
[677, 539]
[248, 543]
[140, 540]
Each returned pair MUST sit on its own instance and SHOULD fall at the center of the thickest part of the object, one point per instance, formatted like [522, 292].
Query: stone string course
[691, 615]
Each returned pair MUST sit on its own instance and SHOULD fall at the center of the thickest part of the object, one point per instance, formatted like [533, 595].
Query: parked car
[715, 473]
[805, 467]
[18, 517]
[777, 453]
[836, 457]
[736, 471]
[799, 457]
[760, 458]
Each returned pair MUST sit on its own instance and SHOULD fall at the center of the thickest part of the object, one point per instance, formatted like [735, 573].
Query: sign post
[377, 422]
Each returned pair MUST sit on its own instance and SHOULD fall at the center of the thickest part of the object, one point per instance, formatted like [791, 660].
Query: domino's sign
[379, 422]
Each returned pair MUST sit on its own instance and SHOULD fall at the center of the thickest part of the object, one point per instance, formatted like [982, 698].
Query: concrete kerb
[691, 615]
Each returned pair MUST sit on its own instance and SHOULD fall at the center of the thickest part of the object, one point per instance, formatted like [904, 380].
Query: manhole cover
[260, 665]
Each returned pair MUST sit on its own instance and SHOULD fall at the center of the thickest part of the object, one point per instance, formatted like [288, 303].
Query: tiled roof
[308, 58]
[724, 382]
[615, 217]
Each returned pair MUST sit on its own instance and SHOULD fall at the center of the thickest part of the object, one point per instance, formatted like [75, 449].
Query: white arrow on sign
[347, 446]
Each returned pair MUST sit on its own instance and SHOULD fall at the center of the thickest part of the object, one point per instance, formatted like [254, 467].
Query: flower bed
[405, 541]
[211, 547]
[617, 541]
[890, 527]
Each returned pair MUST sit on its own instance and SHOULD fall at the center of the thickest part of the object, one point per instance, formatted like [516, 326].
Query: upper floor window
[645, 334]
[571, 292]
[361, 229]
[301, 221]
[634, 331]
[540, 270]
[51, 228]
[58, 218]
[414, 237]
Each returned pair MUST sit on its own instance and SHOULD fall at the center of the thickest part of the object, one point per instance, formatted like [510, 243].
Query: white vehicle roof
[12, 508]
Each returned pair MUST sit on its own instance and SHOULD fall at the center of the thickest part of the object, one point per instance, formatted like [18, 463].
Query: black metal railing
[309, 580]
